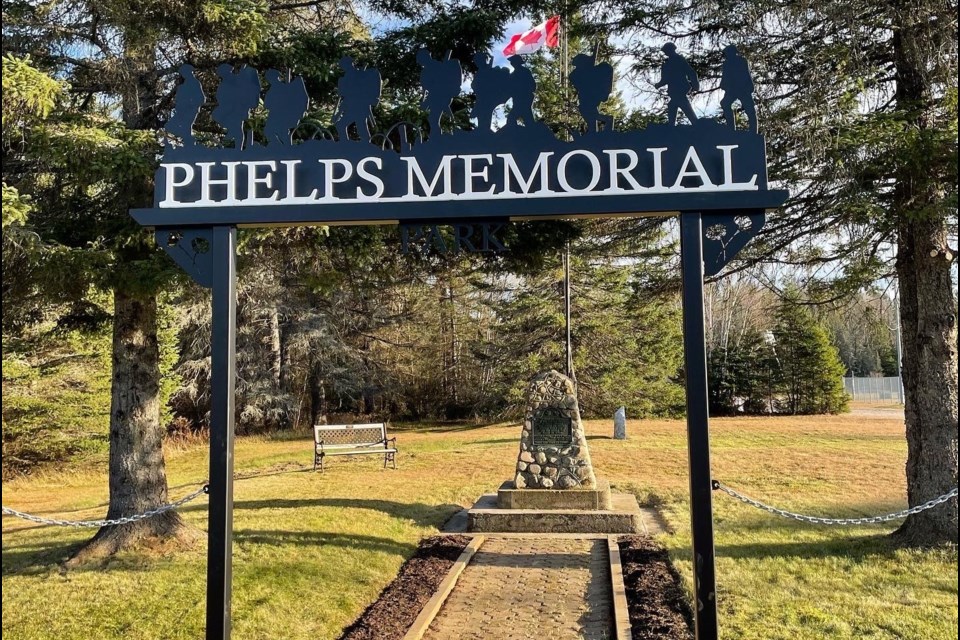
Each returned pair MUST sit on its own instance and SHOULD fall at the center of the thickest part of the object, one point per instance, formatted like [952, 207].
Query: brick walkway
[520, 588]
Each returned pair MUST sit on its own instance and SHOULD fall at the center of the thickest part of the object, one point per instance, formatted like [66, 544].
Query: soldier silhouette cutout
[593, 83]
[237, 94]
[680, 79]
[359, 93]
[441, 79]
[188, 101]
[737, 85]
[491, 88]
[286, 102]
[521, 88]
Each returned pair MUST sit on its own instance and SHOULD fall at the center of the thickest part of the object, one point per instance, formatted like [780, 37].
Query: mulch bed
[399, 604]
[659, 609]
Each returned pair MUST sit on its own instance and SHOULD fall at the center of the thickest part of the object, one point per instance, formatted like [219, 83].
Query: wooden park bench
[353, 439]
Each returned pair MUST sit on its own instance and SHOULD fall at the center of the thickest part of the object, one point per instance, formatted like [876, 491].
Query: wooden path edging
[432, 608]
[621, 613]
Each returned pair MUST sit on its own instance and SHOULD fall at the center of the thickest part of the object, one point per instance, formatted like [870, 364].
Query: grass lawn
[311, 551]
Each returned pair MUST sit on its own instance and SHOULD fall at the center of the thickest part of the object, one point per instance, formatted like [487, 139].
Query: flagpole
[565, 123]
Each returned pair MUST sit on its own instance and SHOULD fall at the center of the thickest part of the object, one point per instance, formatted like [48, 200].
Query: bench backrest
[343, 436]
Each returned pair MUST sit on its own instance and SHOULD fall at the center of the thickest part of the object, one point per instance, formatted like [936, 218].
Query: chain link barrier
[899, 515]
[109, 523]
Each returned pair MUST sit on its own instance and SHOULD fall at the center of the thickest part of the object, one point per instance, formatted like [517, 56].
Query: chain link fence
[874, 389]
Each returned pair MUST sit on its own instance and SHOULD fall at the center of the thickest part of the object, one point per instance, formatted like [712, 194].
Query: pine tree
[810, 371]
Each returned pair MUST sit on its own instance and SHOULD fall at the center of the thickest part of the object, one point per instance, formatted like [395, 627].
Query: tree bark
[138, 479]
[927, 299]
[276, 347]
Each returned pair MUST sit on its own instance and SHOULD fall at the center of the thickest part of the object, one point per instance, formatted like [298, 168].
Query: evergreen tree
[743, 376]
[810, 371]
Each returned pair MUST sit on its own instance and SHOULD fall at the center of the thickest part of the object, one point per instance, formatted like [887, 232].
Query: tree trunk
[929, 379]
[927, 299]
[138, 480]
[276, 347]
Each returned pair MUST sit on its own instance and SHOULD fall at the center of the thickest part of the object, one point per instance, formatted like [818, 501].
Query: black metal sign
[710, 172]
[551, 427]
[520, 170]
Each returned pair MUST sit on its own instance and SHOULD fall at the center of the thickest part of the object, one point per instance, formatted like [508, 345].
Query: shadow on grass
[424, 515]
[36, 558]
[477, 443]
[854, 549]
[280, 538]
[449, 427]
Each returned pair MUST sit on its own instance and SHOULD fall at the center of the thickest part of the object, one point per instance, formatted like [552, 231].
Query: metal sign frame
[710, 173]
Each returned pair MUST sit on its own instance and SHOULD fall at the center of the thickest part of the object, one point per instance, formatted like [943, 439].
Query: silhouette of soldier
[441, 79]
[737, 85]
[187, 105]
[491, 88]
[286, 103]
[237, 94]
[521, 87]
[680, 79]
[359, 93]
[593, 84]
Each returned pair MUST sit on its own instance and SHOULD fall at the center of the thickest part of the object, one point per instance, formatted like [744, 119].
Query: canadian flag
[532, 40]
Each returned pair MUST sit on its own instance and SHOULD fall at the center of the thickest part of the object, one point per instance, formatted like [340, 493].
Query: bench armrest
[388, 440]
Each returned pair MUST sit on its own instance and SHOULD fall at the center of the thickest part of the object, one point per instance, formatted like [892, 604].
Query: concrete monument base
[598, 498]
[623, 516]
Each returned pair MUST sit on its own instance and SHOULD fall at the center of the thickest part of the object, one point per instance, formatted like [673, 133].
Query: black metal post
[698, 432]
[223, 342]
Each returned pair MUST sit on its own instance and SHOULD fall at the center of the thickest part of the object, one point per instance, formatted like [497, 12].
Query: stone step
[509, 497]
[487, 516]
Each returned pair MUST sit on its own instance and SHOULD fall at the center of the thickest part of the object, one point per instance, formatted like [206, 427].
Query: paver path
[519, 588]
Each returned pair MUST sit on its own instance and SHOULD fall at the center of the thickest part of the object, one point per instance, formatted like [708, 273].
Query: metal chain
[835, 521]
[109, 523]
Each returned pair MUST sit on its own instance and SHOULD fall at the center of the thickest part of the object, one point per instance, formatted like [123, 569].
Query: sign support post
[698, 433]
[223, 340]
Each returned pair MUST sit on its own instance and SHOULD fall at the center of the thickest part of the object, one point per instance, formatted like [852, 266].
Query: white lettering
[728, 183]
[413, 167]
[616, 170]
[562, 171]
[657, 166]
[469, 173]
[329, 175]
[291, 196]
[375, 180]
[510, 168]
[253, 180]
[170, 199]
[698, 170]
[230, 182]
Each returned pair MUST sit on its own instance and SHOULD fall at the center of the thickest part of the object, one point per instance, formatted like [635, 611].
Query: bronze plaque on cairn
[551, 428]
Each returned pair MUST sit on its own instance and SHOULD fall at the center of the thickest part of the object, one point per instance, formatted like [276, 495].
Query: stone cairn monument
[554, 488]
[553, 447]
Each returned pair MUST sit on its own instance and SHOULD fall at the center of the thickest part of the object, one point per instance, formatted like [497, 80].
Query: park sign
[474, 181]
[299, 173]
